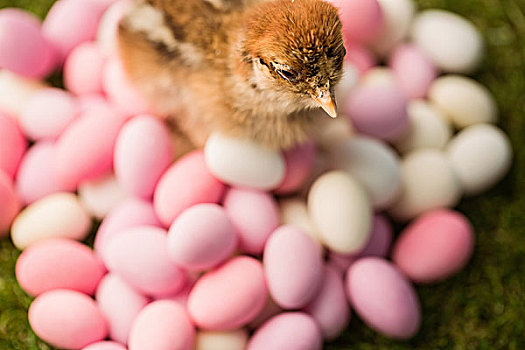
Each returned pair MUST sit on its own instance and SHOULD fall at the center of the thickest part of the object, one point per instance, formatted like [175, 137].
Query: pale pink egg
[362, 58]
[300, 163]
[162, 325]
[85, 150]
[58, 264]
[108, 27]
[201, 237]
[47, 114]
[105, 345]
[230, 296]
[387, 120]
[23, 49]
[254, 214]
[83, 69]
[435, 246]
[187, 182]
[288, 331]
[293, 267]
[9, 203]
[362, 19]
[12, 145]
[139, 255]
[67, 319]
[383, 298]
[143, 151]
[120, 304]
[330, 308]
[414, 71]
[70, 23]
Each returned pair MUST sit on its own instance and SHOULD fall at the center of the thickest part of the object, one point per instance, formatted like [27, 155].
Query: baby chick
[257, 69]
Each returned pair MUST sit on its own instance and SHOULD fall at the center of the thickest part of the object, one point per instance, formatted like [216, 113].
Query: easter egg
[108, 27]
[299, 165]
[397, 18]
[434, 246]
[362, 19]
[142, 153]
[288, 331]
[12, 145]
[201, 237]
[162, 325]
[191, 181]
[83, 69]
[360, 57]
[341, 210]
[67, 319]
[463, 100]
[58, 264]
[233, 340]
[15, 91]
[59, 215]
[105, 345]
[244, 163]
[481, 156]
[395, 313]
[255, 216]
[349, 79]
[9, 203]
[120, 304]
[379, 76]
[228, 297]
[295, 212]
[100, 196]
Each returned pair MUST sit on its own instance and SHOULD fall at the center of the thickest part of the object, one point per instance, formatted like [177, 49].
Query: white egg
[100, 196]
[379, 76]
[397, 17]
[295, 212]
[232, 340]
[347, 83]
[15, 91]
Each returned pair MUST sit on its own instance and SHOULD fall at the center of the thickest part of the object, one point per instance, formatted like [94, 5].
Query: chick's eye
[285, 72]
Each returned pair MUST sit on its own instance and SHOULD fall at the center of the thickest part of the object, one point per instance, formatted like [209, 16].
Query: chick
[253, 69]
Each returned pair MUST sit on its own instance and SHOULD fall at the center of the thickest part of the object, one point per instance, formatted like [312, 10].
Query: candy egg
[24, 49]
[434, 246]
[67, 319]
[330, 308]
[293, 267]
[228, 297]
[374, 164]
[288, 331]
[379, 76]
[429, 128]
[15, 91]
[201, 237]
[244, 163]
[12, 145]
[191, 181]
[463, 100]
[47, 114]
[83, 69]
[58, 264]
[295, 212]
[362, 19]
[397, 18]
[349, 80]
[59, 215]
[429, 182]
[105, 345]
[299, 165]
[108, 27]
[100, 196]
[162, 325]
[330, 134]
[120, 304]
[233, 340]
[360, 57]
[142, 153]
[9, 203]
[341, 210]
[481, 155]
[451, 41]
[139, 255]
[255, 216]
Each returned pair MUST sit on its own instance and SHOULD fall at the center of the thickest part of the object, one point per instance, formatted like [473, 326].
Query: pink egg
[387, 120]
[139, 255]
[70, 23]
[230, 296]
[12, 145]
[414, 71]
[120, 304]
[83, 69]
[362, 58]
[47, 114]
[293, 267]
[362, 19]
[162, 325]
[58, 264]
[435, 246]
[9, 203]
[288, 331]
[143, 151]
[67, 319]
[187, 182]
[23, 49]
[85, 150]
[105, 345]
[108, 27]
[300, 163]
[201, 237]
[254, 214]
[330, 308]
[383, 298]
[133, 212]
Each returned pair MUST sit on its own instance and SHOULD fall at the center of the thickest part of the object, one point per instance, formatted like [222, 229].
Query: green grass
[483, 307]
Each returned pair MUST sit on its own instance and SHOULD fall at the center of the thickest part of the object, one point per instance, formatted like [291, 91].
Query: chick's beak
[326, 100]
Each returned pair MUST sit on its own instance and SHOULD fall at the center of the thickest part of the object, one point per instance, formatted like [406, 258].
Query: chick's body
[248, 68]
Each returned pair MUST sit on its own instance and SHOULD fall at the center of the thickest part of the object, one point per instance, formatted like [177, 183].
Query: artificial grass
[483, 307]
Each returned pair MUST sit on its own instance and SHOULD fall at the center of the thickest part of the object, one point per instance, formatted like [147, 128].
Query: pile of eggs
[237, 247]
